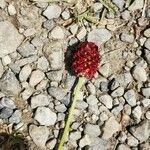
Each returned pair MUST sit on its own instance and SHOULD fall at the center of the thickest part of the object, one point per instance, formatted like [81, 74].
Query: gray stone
[57, 92]
[146, 102]
[119, 3]
[36, 77]
[137, 4]
[74, 136]
[126, 15]
[55, 75]
[104, 86]
[103, 116]
[147, 43]
[49, 24]
[10, 38]
[39, 100]
[96, 7]
[91, 88]
[65, 14]
[69, 82]
[147, 32]
[147, 115]
[137, 113]
[93, 109]
[51, 144]
[5, 113]
[123, 147]
[130, 97]
[118, 92]
[1, 69]
[45, 116]
[106, 100]
[139, 74]
[27, 93]
[104, 69]
[81, 33]
[147, 56]
[61, 108]
[85, 140]
[39, 134]
[9, 84]
[7, 102]
[2, 4]
[129, 38]
[42, 64]
[16, 117]
[57, 33]
[132, 141]
[27, 50]
[81, 104]
[92, 130]
[141, 131]
[114, 84]
[111, 126]
[52, 11]
[25, 72]
[74, 28]
[99, 36]
[116, 110]
[61, 117]
[92, 100]
[146, 92]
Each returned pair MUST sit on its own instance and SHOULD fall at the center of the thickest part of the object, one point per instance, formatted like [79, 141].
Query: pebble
[74, 136]
[99, 36]
[42, 64]
[92, 130]
[147, 43]
[96, 7]
[147, 56]
[92, 100]
[11, 9]
[74, 28]
[143, 128]
[111, 126]
[9, 34]
[16, 117]
[6, 113]
[123, 147]
[27, 93]
[1, 69]
[129, 38]
[106, 100]
[81, 34]
[39, 100]
[126, 15]
[116, 110]
[57, 92]
[118, 92]
[85, 140]
[91, 88]
[61, 108]
[52, 11]
[147, 33]
[9, 84]
[81, 105]
[119, 3]
[51, 144]
[57, 33]
[146, 102]
[132, 141]
[36, 77]
[103, 116]
[146, 92]
[2, 4]
[45, 116]
[130, 97]
[6, 60]
[142, 76]
[137, 113]
[104, 70]
[61, 117]
[49, 24]
[25, 73]
[65, 14]
[137, 4]
[39, 134]
[7, 102]
[127, 109]
[147, 115]
[55, 75]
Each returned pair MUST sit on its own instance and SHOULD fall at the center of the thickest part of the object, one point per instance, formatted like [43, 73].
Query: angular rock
[92, 100]
[129, 38]
[137, 4]
[55, 75]
[146, 92]
[42, 63]
[7, 102]
[16, 117]
[123, 147]
[5, 113]
[10, 38]
[57, 33]
[147, 43]
[118, 92]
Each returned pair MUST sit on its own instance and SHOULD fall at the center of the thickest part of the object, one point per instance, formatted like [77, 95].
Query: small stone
[99, 36]
[57, 93]
[81, 34]
[39, 100]
[106, 100]
[104, 69]
[57, 33]
[114, 84]
[42, 85]
[118, 92]
[6, 60]
[61, 117]
[126, 15]
[116, 110]
[45, 116]
[55, 75]
[103, 116]
[49, 24]
[92, 100]
[7, 102]
[141, 77]
[36, 77]
[96, 7]
[2, 4]
[123, 147]
[29, 32]
[92, 130]
[85, 140]
[51, 144]
[9, 84]
[137, 4]
[147, 43]
[81, 105]
[74, 136]
[74, 29]
[39, 134]
[147, 56]
[130, 97]
[65, 14]
[111, 126]
[127, 109]
[91, 88]
[1, 69]
[147, 32]
[5, 113]
[52, 11]
[61, 108]
[146, 102]
[146, 92]
[11, 9]
[9, 34]
[147, 115]
[141, 131]
[137, 113]
[25, 72]
[119, 3]
[42, 64]
[129, 38]
[16, 117]
[27, 93]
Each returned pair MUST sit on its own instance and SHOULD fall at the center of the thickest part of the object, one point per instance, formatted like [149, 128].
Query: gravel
[146, 92]
[9, 34]
[138, 4]
[45, 116]
[7, 102]
[147, 43]
[55, 75]
[16, 117]
[118, 92]
[57, 33]
[92, 100]
[137, 113]
[129, 38]
[147, 33]
[42, 64]
[5, 113]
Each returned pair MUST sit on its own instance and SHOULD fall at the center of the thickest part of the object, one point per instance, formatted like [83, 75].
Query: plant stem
[70, 112]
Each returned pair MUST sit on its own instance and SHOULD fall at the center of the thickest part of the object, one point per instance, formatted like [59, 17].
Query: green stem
[70, 113]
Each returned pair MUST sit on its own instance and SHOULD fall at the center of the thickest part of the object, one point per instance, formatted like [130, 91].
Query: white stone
[147, 32]
[137, 4]
[11, 9]
[137, 113]
[57, 33]
[84, 141]
[6, 60]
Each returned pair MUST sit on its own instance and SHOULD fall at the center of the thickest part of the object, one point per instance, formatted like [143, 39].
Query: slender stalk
[70, 112]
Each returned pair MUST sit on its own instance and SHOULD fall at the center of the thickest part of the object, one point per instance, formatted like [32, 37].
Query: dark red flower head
[85, 60]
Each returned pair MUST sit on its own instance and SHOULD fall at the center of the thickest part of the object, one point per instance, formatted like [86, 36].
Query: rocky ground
[36, 40]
